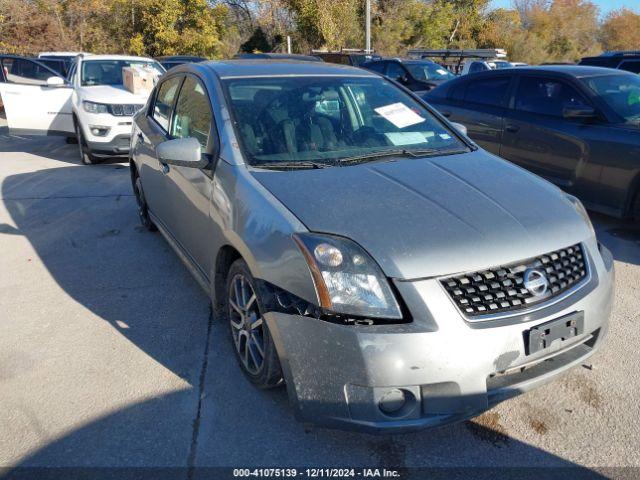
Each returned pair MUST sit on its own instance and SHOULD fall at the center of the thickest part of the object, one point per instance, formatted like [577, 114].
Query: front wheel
[85, 154]
[143, 208]
[255, 350]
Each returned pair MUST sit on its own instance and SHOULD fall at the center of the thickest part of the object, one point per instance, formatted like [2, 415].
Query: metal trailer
[453, 59]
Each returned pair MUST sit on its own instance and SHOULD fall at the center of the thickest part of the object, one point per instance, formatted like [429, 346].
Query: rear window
[608, 62]
[632, 66]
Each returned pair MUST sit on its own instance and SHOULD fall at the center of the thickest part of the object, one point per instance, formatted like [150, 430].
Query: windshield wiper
[302, 165]
[400, 152]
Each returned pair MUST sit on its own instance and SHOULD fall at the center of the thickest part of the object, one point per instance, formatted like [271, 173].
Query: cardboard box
[138, 80]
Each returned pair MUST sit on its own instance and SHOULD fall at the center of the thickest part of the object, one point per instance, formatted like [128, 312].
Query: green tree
[331, 24]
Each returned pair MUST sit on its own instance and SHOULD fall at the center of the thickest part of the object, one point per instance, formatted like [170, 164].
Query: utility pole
[368, 26]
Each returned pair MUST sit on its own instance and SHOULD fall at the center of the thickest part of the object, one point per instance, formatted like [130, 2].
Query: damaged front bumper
[435, 370]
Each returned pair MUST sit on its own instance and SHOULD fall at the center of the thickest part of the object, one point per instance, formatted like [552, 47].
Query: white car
[91, 105]
[473, 66]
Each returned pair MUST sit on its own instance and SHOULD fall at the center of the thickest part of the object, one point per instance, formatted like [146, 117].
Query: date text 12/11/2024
[316, 473]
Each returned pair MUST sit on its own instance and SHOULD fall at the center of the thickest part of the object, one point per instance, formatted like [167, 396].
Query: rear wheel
[635, 212]
[250, 335]
[85, 154]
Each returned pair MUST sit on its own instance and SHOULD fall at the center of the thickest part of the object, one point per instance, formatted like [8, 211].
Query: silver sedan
[363, 251]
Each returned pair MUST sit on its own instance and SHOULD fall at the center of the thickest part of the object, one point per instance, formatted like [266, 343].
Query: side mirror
[460, 128]
[579, 113]
[182, 152]
[403, 79]
[55, 82]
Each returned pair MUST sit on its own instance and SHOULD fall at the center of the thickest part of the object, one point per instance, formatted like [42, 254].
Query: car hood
[112, 94]
[428, 217]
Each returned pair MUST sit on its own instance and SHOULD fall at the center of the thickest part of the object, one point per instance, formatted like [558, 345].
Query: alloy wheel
[247, 324]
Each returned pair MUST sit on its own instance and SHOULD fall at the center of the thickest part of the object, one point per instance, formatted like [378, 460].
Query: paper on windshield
[441, 71]
[399, 114]
[407, 138]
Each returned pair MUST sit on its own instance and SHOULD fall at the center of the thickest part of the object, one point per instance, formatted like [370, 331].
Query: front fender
[260, 228]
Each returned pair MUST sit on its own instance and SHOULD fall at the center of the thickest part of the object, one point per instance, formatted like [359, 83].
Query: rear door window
[395, 71]
[164, 101]
[377, 67]
[488, 91]
[547, 96]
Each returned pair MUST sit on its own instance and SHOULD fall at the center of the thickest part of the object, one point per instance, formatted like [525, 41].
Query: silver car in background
[362, 251]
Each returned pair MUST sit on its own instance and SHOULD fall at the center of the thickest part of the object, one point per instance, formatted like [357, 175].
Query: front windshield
[109, 72]
[620, 92]
[325, 119]
[429, 71]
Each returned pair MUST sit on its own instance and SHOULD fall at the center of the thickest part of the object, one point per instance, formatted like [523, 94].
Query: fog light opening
[99, 131]
[397, 402]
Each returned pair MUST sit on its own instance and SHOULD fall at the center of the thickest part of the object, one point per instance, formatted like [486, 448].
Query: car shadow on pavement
[52, 147]
[622, 237]
[82, 224]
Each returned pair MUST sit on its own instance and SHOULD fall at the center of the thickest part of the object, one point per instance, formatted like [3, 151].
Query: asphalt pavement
[110, 356]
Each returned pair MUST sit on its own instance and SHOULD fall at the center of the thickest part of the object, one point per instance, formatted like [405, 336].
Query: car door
[539, 138]
[32, 105]
[189, 189]
[151, 130]
[479, 104]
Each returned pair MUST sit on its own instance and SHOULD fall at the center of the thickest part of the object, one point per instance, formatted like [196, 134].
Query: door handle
[510, 127]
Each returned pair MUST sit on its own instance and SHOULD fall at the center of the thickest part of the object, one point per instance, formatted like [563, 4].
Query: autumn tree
[621, 30]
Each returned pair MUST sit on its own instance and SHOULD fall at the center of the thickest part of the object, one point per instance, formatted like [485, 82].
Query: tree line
[533, 31]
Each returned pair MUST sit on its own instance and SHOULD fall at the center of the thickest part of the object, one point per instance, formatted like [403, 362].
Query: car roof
[276, 56]
[578, 71]
[179, 57]
[259, 68]
[116, 57]
[407, 61]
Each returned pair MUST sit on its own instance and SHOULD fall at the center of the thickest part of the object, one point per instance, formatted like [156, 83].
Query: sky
[605, 5]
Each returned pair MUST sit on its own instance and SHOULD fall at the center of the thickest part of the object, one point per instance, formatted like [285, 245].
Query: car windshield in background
[620, 92]
[109, 72]
[429, 71]
[328, 119]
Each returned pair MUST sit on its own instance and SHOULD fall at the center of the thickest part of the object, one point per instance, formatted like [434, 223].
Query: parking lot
[110, 356]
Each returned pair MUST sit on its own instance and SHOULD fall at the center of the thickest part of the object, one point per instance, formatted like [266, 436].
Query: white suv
[91, 106]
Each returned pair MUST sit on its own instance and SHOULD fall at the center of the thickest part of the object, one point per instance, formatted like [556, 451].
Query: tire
[635, 209]
[143, 208]
[85, 154]
[250, 337]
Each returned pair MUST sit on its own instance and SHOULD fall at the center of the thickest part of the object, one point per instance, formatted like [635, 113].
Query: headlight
[577, 204]
[348, 281]
[93, 107]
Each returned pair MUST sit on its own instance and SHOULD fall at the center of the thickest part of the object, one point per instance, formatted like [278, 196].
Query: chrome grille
[124, 110]
[502, 289]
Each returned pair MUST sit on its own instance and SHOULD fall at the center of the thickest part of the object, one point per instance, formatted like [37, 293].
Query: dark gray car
[362, 251]
[419, 76]
[578, 127]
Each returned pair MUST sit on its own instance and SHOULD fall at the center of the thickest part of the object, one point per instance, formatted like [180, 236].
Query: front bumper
[116, 142]
[448, 368]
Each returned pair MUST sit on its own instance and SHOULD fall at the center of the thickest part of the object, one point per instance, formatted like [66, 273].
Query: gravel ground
[104, 358]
